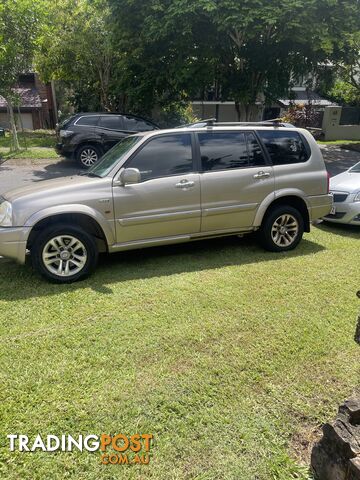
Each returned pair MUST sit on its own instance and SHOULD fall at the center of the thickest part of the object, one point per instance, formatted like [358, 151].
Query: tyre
[64, 254]
[282, 229]
[87, 155]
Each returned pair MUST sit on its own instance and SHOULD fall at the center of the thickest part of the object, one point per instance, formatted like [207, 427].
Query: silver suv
[168, 186]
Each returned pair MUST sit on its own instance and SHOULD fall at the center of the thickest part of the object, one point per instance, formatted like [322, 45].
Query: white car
[345, 189]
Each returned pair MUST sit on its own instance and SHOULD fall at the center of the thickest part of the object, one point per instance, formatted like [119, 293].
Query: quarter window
[284, 147]
[228, 150]
[163, 156]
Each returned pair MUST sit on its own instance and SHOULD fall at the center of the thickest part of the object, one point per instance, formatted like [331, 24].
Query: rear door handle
[262, 174]
[185, 184]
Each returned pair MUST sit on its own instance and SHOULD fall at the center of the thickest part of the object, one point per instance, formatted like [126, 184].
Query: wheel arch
[80, 219]
[92, 143]
[292, 199]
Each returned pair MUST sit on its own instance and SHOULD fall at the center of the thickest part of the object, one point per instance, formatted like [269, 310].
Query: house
[211, 107]
[37, 104]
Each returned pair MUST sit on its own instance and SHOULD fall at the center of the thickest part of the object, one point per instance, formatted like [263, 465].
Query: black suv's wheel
[64, 254]
[282, 229]
[87, 155]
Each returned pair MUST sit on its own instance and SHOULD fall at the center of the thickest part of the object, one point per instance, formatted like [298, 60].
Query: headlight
[357, 197]
[5, 214]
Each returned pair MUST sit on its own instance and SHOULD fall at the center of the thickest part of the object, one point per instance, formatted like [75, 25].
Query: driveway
[16, 173]
[22, 172]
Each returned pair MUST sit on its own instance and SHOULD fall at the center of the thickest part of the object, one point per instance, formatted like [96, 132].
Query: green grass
[31, 153]
[337, 142]
[225, 353]
[37, 144]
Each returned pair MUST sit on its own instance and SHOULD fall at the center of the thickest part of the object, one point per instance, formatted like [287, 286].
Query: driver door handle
[185, 184]
[262, 174]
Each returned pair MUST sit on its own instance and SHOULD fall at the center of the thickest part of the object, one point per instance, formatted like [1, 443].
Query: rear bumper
[346, 212]
[13, 242]
[319, 206]
[64, 150]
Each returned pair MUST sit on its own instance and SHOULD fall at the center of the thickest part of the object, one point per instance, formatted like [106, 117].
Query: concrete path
[22, 172]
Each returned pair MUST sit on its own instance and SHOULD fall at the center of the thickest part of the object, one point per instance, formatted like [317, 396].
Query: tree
[20, 22]
[253, 49]
[77, 48]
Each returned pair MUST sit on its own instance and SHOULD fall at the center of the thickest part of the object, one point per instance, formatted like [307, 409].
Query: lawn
[230, 356]
[37, 144]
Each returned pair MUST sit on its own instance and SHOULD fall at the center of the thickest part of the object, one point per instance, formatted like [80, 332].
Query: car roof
[232, 128]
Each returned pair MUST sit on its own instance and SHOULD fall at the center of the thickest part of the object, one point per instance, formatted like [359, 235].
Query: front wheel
[282, 229]
[64, 254]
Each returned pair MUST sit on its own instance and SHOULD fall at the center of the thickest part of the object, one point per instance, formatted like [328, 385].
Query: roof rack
[211, 122]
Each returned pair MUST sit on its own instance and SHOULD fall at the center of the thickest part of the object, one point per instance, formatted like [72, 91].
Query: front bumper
[13, 241]
[346, 212]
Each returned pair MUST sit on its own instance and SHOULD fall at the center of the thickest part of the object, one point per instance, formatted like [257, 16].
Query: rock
[354, 469]
[330, 458]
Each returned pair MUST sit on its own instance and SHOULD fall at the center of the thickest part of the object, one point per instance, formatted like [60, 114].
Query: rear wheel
[64, 254]
[282, 229]
[87, 155]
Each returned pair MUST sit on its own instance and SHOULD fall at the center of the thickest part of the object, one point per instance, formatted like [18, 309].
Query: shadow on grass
[21, 282]
[351, 231]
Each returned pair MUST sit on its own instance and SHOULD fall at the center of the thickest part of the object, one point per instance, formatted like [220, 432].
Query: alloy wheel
[284, 230]
[64, 255]
[88, 157]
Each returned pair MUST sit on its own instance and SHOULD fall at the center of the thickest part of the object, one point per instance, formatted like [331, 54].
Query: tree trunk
[15, 140]
[22, 127]
[237, 108]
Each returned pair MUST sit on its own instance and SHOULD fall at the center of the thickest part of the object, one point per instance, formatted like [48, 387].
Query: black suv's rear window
[89, 120]
[137, 124]
[284, 147]
[112, 122]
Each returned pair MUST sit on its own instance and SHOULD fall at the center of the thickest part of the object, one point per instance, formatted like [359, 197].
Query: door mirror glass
[130, 175]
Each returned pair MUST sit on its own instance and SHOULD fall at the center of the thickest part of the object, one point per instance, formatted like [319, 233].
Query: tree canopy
[252, 49]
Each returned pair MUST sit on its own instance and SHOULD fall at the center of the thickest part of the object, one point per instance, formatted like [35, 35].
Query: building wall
[226, 111]
[332, 129]
[27, 120]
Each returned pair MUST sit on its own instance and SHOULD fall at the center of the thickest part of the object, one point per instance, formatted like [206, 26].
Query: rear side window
[228, 150]
[112, 122]
[285, 147]
[164, 156]
[90, 120]
[137, 125]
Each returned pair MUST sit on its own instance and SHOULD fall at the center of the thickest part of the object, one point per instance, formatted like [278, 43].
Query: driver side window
[164, 156]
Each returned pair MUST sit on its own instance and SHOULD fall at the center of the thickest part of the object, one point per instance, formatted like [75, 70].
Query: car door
[111, 130]
[235, 178]
[166, 202]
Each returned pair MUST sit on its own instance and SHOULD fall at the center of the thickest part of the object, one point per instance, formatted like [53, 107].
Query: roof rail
[211, 122]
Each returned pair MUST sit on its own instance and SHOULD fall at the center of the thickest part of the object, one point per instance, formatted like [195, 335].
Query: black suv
[87, 136]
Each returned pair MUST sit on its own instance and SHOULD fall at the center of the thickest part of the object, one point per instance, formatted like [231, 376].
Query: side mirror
[130, 175]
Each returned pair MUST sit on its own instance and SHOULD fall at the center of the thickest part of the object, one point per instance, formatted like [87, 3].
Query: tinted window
[113, 156]
[163, 156]
[112, 122]
[227, 150]
[137, 125]
[256, 156]
[90, 120]
[284, 147]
